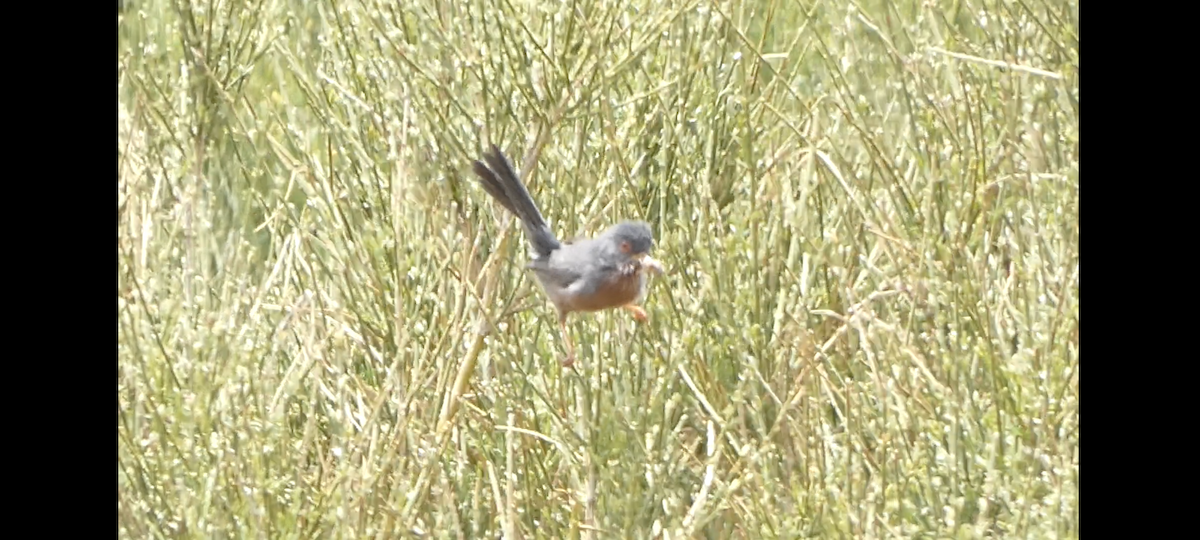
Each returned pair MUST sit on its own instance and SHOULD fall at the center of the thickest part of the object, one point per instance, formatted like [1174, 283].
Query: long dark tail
[501, 182]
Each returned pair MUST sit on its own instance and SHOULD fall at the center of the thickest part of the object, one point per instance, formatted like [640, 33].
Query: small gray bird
[605, 272]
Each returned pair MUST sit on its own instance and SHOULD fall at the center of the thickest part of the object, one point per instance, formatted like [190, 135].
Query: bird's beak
[652, 263]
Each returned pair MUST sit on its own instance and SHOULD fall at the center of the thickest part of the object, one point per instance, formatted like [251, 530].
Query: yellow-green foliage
[868, 210]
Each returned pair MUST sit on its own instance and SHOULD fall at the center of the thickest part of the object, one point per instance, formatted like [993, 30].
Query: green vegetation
[868, 211]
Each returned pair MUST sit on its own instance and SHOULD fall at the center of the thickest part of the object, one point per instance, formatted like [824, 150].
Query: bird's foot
[638, 313]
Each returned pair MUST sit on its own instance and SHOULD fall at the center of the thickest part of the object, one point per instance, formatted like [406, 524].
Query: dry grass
[869, 212]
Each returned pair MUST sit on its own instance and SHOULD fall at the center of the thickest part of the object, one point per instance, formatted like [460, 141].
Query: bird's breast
[614, 290]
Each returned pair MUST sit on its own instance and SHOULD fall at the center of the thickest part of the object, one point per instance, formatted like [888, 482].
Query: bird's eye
[624, 247]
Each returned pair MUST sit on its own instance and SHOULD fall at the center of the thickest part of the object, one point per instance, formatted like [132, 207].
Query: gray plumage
[583, 275]
[501, 182]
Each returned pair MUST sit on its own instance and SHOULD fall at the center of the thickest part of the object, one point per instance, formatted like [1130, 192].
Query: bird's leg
[637, 311]
[562, 326]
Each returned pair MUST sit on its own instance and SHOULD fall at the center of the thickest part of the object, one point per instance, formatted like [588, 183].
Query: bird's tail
[502, 183]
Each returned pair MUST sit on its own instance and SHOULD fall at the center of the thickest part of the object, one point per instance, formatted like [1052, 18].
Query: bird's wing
[573, 266]
[554, 273]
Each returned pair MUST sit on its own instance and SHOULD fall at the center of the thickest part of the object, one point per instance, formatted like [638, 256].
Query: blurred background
[868, 212]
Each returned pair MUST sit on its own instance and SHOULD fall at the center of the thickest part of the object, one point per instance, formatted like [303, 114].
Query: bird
[585, 274]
